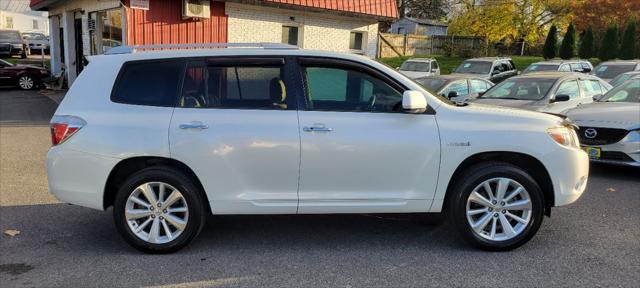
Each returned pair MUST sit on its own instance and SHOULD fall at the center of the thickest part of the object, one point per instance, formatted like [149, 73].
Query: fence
[392, 45]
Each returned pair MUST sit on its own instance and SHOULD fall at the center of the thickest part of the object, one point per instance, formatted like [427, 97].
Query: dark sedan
[456, 87]
[24, 76]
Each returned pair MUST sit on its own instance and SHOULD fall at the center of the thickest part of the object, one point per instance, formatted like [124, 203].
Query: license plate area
[593, 152]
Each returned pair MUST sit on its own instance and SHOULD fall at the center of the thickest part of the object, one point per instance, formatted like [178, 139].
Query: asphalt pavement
[593, 242]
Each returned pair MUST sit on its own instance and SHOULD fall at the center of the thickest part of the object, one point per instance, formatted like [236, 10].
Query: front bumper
[569, 171]
[626, 152]
[77, 177]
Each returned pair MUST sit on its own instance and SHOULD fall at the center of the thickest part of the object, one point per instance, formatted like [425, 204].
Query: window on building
[105, 30]
[356, 41]
[35, 25]
[9, 22]
[290, 35]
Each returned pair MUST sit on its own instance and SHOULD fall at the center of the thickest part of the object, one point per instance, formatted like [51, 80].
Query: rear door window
[151, 83]
[233, 86]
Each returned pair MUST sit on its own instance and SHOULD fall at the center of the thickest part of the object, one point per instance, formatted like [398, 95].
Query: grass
[448, 64]
[10, 60]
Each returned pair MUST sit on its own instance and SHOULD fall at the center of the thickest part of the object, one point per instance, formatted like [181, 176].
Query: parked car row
[604, 101]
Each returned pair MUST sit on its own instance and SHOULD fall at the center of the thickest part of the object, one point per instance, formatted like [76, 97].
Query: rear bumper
[78, 178]
[569, 171]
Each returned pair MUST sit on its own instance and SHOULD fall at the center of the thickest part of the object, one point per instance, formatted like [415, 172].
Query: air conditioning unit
[196, 9]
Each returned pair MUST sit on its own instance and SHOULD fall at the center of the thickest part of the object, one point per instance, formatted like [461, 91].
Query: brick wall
[322, 31]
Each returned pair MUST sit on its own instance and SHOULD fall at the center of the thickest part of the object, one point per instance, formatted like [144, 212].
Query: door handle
[317, 128]
[194, 125]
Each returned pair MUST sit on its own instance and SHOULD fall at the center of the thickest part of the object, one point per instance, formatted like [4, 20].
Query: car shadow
[615, 172]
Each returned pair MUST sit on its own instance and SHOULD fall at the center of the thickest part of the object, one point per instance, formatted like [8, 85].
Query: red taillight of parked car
[63, 127]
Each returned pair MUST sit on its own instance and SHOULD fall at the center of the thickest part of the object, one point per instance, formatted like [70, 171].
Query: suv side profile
[494, 69]
[169, 137]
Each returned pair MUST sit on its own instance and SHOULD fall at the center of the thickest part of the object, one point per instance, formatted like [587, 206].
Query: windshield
[9, 36]
[433, 84]
[474, 67]
[627, 92]
[621, 78]
[415, 66]
[611, 71]
[520, 89]
[541, 67]
[33, 36]
[5, 63]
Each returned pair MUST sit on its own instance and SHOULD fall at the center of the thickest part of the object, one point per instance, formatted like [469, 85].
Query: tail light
[63, 127]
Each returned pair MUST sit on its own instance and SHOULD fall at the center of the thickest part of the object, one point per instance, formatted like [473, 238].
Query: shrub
[568, 47]
[550, 44]
[628, 49]
[609, 47]
[586, 46]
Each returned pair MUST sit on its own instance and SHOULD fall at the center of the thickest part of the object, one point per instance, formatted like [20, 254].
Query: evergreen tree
[609, 47]
[628, 49]
[586, 47]
[568, 47]
[550, 45]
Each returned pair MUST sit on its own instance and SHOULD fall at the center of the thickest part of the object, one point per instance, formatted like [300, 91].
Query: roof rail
[133, 49]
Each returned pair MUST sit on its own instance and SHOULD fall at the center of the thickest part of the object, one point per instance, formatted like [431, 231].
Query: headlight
[565, 136]
[632, 136]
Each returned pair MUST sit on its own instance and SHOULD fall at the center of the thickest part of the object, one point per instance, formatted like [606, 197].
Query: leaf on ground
[11, 232]
[611, 189]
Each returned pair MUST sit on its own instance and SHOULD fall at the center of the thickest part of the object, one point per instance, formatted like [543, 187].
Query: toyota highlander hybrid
[169, 136]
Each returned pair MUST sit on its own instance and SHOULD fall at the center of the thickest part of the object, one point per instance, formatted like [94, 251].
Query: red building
[88, 27]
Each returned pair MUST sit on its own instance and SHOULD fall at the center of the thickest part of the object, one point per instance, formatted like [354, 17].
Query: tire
[173, 179]
[500, 238]
[26, 82]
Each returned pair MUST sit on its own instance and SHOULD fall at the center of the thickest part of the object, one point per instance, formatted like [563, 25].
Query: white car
[169, 137]
[419, 67]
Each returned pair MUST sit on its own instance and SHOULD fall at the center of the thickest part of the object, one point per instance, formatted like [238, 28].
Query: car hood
[607, 114]
[521, 104]
[414, 74]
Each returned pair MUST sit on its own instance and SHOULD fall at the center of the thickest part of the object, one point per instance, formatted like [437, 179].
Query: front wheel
[496, 206]
[159, 210]
[26, 82]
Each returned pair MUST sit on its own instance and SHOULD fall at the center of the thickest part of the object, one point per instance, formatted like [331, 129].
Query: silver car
[551, 92]
[419, 67]
[610, 126]
[610, 69]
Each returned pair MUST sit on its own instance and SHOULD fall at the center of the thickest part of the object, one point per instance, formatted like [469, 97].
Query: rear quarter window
[150, 83]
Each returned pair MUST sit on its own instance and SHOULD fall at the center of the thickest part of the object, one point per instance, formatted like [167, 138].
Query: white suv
[169, 137]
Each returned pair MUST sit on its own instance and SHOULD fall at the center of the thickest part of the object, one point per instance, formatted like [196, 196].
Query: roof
[376, 8]
[449, 77]
[426, 21]
[555, 75]
[560, 61]
[420, 60]
[620, 62]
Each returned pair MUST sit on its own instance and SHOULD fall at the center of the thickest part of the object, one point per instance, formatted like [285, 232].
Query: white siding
[322, 31]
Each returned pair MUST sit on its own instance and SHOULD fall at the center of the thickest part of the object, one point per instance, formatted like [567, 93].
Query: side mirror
[414, 101]
[495, 72]
[586, 70]
[481, 93]
[452, 94]
[597, 97]
[561, 98]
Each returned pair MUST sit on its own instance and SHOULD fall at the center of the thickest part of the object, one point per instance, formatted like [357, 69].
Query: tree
[568, 46]
[609, 47]
[628, 48]
[500, 20]
[586, 46]
[550, 45]
[601, 13]
[426, 9]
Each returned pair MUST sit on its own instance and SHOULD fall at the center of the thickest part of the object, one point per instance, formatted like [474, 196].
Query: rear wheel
[159, 210]
[497, 206]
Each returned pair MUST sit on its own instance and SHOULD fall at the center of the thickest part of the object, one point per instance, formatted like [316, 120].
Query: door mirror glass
[414, 101]
[561, 98]
[597, 97]
[452, 94]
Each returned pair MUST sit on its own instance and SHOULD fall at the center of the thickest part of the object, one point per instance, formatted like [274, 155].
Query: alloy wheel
[25, 82]
[156, 212]
[499, 209]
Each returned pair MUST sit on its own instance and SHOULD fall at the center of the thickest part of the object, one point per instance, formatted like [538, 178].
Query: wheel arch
[128, 166]
[525, 161]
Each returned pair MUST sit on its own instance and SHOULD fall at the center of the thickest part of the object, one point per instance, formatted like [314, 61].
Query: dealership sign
[139, 4]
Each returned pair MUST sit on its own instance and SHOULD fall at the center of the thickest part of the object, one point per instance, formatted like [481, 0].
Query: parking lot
[594, 242]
